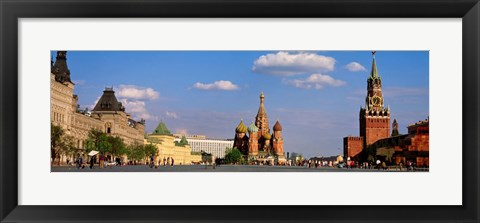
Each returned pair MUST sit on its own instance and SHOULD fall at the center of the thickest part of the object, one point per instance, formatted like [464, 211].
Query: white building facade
[216, 147]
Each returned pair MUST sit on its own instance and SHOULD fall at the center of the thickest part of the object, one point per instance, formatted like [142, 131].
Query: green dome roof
[241, 128]
[161, 129]
[267, 136]
[252, 128]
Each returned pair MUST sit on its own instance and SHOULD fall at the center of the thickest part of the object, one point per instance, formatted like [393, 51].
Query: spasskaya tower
[374, 117]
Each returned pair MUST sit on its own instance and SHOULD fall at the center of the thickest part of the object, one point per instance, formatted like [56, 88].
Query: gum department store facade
[108, 116]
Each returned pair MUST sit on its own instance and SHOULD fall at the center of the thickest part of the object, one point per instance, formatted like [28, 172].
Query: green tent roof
[183, 142]
[374, 72]
[161, 129]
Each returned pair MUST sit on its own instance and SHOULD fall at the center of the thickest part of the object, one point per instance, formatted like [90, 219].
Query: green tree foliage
[150, 150]
[104, 145]
[93, 140]
[99, 141]
[60, 143]
[233, 155]
[117, 145]
[135, 151]
[56, 133]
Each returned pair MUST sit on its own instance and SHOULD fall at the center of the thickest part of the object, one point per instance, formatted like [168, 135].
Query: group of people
[317, 163]
[102, 162]
[79, 162]
[169, 161]
[380, 165]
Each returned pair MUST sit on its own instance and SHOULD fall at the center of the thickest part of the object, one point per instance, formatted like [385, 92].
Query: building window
[108, 130]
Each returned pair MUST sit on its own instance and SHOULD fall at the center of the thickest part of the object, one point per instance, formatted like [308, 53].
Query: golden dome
[267, 136]
[241, 128]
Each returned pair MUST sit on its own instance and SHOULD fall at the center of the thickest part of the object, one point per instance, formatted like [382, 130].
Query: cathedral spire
[261, 109]
[261, 121]
[374, 72]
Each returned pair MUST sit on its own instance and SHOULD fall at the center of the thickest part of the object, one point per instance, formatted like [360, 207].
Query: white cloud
[217, 85]
[171, 114]
[289, 64]
[136, 92]
[137, 109]
[134, 97]
[181, 131]
[79, 82]
[90, 107]
[315, 81]
[355, 67]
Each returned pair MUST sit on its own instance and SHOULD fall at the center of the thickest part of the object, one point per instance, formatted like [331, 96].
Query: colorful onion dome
[267, 136]
[241, 128]
[277, 126]
[252, 128]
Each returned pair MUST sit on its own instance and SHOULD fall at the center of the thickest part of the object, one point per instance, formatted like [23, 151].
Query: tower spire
[60, 68]
[374, 72]
[261, 121]
[261, 109]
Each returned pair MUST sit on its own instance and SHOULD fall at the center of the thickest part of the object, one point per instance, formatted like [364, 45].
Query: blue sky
[316, 95]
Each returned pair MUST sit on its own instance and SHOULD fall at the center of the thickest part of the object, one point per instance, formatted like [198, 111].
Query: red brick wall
[375, 128]
[419, 143]
[352, 146]
[422, 161]
[277, 142]
[253, 145]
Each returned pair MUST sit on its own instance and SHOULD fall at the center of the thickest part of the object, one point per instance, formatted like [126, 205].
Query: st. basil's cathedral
[260, 145]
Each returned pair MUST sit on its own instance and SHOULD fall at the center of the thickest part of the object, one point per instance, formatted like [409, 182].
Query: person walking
[92, 161]
[151, 161]
[213, 162]
[77, 161]
[102, 159]
[173, 161]
[80, 162]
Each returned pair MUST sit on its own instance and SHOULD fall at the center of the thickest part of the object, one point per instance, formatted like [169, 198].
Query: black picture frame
[11, 11]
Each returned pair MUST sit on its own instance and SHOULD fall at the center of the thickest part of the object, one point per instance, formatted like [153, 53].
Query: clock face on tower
[376, 100]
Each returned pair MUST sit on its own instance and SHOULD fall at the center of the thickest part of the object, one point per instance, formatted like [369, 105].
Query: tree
[56, 133]
[117, 146]
[60, 143]
[233, 155]
[97, 140]
[135, 151]
[150, 149]
[68, 145]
